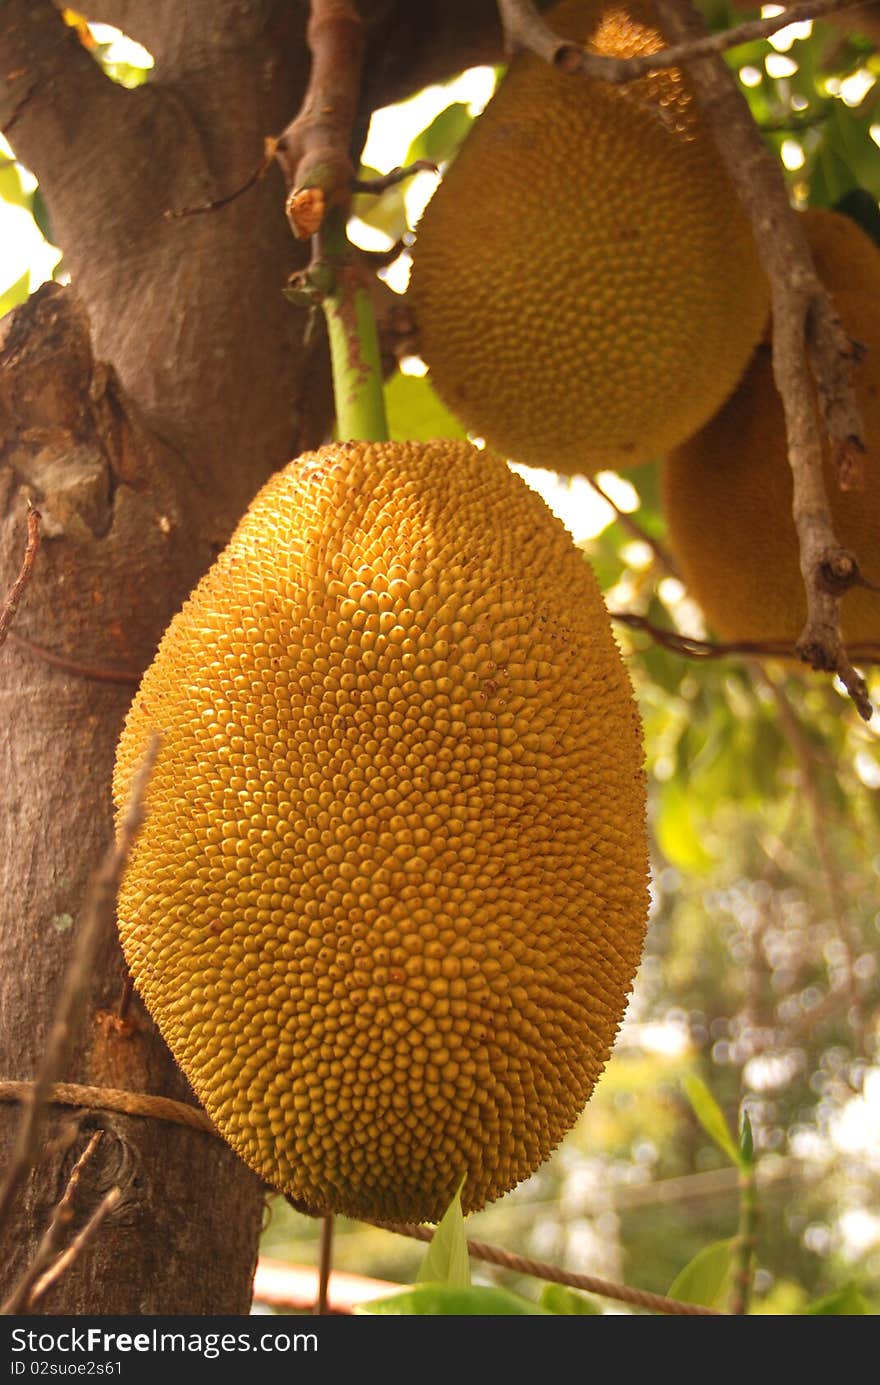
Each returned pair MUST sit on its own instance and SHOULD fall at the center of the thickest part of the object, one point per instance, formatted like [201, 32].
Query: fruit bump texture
[391, 892]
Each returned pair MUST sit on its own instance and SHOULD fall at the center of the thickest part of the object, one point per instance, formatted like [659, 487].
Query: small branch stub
[10, 605]
[314, 149]
[305, 211]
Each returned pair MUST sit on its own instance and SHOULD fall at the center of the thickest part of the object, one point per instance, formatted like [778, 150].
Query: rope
[539, 1269]
[113, 1099]
[164, 1109]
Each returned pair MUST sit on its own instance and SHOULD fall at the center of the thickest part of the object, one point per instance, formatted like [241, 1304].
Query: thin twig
[95, 672]
[47, 1263]
[125, 996]
[632, 526]
[395, 176]
[109, 1202]
[10, 605]
[215, 204]
[805, 323]
[539, 1269]
[314, 149]
[692, 648]
[325, 1265]
[524, 28]
[97, 919]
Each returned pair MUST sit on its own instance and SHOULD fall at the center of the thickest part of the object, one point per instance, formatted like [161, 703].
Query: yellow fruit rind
[585, 280]
[727, 498]
[391, 892]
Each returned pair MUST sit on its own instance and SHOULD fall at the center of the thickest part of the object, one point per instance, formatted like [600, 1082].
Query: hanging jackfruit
[391, 892]
[727, 496]
[585, 281]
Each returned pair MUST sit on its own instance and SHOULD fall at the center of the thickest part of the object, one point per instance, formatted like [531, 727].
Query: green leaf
[15, 294]
[746, 1143]
[677, 834]
[446, 1261]
[434, 1300]
[711, 1117]
[706, 1280]
[415, 411]
[560, 1299]
[11, 189]
[846, 1302]
[440, 141]
[40, 213]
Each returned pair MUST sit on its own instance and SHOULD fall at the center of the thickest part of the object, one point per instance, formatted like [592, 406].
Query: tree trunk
[140, 411]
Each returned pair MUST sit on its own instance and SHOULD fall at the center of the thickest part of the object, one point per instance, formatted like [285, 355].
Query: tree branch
[804, 320]
[315, 150]
[54, 98]
[692, 648]
[810, 348]
[632, 526]
[10, 605]
[524, 29]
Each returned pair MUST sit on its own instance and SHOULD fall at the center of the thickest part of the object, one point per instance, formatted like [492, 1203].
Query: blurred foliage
[759, 987]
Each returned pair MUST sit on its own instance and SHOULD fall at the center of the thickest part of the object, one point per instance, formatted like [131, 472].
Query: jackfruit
[585, 282]
[727, 497]
[847, 260]
[391, 892]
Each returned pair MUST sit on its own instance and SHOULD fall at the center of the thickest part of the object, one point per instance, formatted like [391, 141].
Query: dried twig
[95, 672]
[631, 524]
[804, 320]
[395, 176]
[692, 648]
[49, 1262]
[10, 605]
[314, 149]
[215, 203]
[97, 917]
[524, 28]
[540, 1269]
[109, 1202]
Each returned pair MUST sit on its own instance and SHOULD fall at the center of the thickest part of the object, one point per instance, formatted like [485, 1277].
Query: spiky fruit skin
[391, 892]
[727, 497]
[585, 282]
[847, 260]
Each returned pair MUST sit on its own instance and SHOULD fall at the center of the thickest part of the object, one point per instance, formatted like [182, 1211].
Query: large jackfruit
[585, 281]
[846, 259]
[391, 892]
[727, 496]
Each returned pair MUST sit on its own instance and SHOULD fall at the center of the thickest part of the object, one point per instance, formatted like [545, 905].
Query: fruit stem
[354, 341]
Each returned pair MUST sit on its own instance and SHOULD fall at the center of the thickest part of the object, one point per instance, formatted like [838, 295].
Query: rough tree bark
[141, 410]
